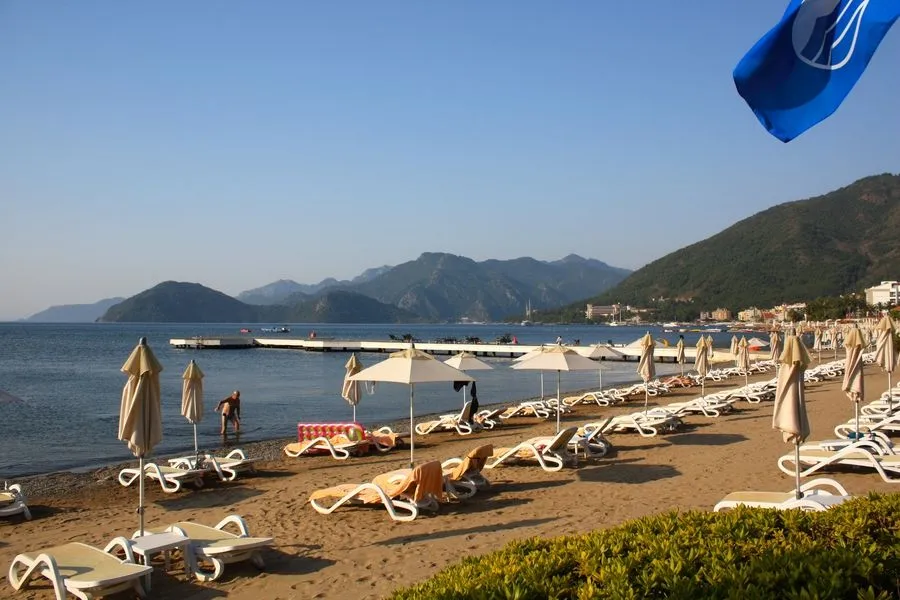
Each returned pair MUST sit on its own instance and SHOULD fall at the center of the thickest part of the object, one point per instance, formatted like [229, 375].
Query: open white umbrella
[646, 369]
[140, 415]
[411, 366]
[192, 398]
[790, 407]
[701, 364]
[853, 384]
[466, 361]
[557, 358]
[885, 353]
[528, 356]
[351, 391]
[743, 362]
[679, 354]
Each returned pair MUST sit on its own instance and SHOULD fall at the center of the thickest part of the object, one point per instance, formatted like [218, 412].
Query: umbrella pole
[856, 406]
[542, 385]
[141, 493]
[890, 393]
[646, 397]
[558, 402]
[702, 387]
[196, 445]
[682, 369]
[798, 493]
[600, 374]
[354, 413]
[412, 429]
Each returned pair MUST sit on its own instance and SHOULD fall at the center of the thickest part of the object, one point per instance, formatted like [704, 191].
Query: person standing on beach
[231, 411]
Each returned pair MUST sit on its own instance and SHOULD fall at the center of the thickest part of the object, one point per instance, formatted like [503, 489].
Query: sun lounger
[171, 479]
[13, 502]
[461, 422]
[226, 467]
[218, 547]
[489, 418]
[419, 488]
[646, 425]
[860, 454]
[590, 441]
[551, 453]
[81, 570]
[463, 476]
[816, 497]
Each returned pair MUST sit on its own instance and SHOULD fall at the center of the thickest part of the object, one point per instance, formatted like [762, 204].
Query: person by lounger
[231, 411]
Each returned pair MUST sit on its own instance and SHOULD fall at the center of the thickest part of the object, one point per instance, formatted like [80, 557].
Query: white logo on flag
[828, 48]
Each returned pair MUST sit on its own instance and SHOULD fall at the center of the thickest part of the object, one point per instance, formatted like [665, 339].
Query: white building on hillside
[886, 293]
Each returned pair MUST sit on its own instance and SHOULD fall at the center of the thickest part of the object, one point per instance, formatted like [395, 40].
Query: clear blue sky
[235, 143]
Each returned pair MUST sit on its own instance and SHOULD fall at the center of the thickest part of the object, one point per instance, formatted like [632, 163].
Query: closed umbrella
[701, 364]
[743, 361]
[557, 358]
[709, 347]
[734, 346]
[774, 348]
[817, 343]
[351, 391]
[679, 354]
[790, 407]
[140, 415]
[885, 353]
[411, 366]
[853, 384]
[466, 361]
[646, 369]
[192, 398]
[834, 339]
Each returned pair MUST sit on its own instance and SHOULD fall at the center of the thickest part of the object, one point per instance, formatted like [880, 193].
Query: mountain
[74, 313]
[797, 251]
[341, 306]
[440, 286]
[176, 302]
[287, 291]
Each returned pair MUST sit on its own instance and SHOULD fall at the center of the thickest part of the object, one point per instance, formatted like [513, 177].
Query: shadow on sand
[208, 497]
[627, 473]
[406, 539]
[706, 439]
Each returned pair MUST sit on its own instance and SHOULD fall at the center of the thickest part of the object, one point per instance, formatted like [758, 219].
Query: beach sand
[362, 553]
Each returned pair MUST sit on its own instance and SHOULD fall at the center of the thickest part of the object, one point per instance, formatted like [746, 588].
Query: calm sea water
[69, 379]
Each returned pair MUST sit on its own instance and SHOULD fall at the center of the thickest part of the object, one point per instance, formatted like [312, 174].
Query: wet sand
[362, 553]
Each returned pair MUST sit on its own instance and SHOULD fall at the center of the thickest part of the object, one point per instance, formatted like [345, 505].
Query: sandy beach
[361, 553]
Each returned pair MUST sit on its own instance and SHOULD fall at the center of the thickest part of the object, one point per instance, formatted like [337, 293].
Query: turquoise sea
[69, 380]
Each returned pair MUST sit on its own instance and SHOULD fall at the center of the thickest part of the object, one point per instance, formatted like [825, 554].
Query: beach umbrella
[743, 361]
[140, 415]
[646, 369]
[834, 339]
[411, 366]
[466, 361]
[597, 352]
[790, 407]
[351, 391]
[774, 347]
[557, 358]
[734, 346]
[679, 354]
[192, 398]
[885, 353]
[709, 346]
[529, 355]
[701, 364]
[817, 343]
[853, 384]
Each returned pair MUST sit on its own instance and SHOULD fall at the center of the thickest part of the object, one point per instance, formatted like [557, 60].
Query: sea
[67, 383]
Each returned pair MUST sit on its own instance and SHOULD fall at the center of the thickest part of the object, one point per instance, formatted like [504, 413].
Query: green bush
[850, 551]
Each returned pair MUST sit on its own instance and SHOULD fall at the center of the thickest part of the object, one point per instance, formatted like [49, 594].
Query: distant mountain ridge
[74, 313]
[282, 290]
[822, 246]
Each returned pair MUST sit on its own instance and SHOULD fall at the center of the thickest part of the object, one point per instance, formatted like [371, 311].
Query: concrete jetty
[599, 352]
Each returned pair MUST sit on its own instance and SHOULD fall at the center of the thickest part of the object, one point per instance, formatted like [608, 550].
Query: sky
[237, 143]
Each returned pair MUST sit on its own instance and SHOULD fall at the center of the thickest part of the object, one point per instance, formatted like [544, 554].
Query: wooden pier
[601, 352]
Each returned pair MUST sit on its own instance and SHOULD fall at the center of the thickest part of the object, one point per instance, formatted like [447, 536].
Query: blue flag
[799, 72]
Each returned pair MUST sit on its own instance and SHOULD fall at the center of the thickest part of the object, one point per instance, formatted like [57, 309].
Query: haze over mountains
[434, 287]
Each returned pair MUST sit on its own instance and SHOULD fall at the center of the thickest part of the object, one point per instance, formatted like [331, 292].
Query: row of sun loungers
[191, 470]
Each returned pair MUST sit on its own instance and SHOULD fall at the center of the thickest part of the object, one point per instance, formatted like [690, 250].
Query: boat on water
[275, 330]
[245, 330]
[527, 322]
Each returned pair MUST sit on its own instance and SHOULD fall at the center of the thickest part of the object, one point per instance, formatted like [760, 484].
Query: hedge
[850, 551]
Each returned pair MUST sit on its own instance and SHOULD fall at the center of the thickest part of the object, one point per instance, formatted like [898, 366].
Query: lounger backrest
[473, 461]
[561, 441]
[465, 414]
[310, 431]
[422, 481]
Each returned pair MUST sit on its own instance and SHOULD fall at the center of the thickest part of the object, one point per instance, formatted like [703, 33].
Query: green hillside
[177, 302]
[797, 251]
[345, 307]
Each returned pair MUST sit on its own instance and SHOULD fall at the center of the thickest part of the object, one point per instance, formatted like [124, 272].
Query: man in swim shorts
[231, 411]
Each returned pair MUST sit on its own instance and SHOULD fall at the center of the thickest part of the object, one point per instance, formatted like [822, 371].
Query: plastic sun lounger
[856, 455]
[816, 497]
[226, 467]
[339, 446]
[402, 499]
[13, 502]
[458, 422]
[219, 547]
[171, 479]
[81, 570]
[489, 418]
[463, 476]
[551, 453]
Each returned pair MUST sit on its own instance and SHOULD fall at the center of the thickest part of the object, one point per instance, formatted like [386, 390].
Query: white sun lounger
[857, 455]
[13, 502]
[226, 467]
[81, 570]
[551, 453]
[460, 422]
[816, 497]
[219, 547]
[171, 479]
